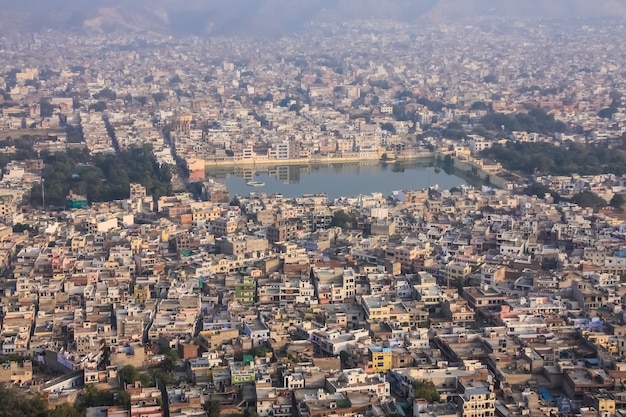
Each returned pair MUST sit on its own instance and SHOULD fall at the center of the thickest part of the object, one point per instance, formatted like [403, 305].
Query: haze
[267, 17]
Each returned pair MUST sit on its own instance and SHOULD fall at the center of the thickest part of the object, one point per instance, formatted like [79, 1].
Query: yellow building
[212, 339]
[605, 404]
[380, 358]
[141, 292]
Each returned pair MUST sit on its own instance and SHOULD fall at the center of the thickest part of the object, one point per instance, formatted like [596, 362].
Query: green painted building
[75, 201]
[245, 290]
[241, 374]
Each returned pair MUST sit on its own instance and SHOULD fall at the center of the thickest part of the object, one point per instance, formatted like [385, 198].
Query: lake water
[336, 180]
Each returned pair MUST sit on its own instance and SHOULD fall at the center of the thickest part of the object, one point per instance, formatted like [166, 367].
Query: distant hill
[272, 16]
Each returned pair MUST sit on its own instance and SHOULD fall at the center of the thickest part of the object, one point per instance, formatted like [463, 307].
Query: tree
[99, 106]
[122, 397]
[92, 397]
[250, 413]
[14, 402]
[258, 351]
[142, 100]
[21, 228]
[389, 127]
[295, 107]
[213, 408]
[607, 112]
[589, 199]
[344, 356]
[426, 390]
[105, 93]
[618, 201]
[129, 374]
[65, 410]
[342, 219]
[159, 97]
[47, 109]
[479, 105]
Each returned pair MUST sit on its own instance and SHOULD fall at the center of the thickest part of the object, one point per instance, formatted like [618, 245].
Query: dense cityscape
[135, 283]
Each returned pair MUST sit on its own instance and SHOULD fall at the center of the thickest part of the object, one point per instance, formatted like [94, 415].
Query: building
[357, 380]
[476, 399]
[380, 358]
[245, 290]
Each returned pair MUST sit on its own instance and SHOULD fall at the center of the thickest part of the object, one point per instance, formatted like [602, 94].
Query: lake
[336, 180]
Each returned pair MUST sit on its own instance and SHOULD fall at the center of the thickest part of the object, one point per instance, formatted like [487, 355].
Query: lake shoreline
[312, 161]
[338, 178]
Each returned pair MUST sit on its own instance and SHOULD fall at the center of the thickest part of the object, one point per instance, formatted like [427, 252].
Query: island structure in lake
[255, 183]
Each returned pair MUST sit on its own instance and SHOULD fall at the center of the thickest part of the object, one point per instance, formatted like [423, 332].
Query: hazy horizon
[274, 16]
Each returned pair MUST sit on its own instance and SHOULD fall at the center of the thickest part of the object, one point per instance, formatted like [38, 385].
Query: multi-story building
[245, 290]
[357, 380]
[380, 358]
[476, 399]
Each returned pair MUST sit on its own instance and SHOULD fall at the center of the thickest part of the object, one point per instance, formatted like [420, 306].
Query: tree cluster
[258, 351]
[589, 199]
[103, 177]
[15, 402]
[547, 158]
[342, 219]
[105, 94]
[23, 150]
[426, 390]
[536, 120]
[607, 112]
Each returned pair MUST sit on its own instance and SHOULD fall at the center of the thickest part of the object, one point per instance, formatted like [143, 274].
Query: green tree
[99, 106]
[426, 390]
[250, 413]
[342, 219]
[344, 356]
[479, 105]
[15, 402]
[540, 190]
[92, 397]
[258, 351]
[21, 228]
[47, 109]
[607, 112]
[122, 397]
[65, 410]
[105, 93]
[142, 100]
[159, 97]
[213, 408]
[129, 374]
[589, 199]
[389, 127]
[618, 201]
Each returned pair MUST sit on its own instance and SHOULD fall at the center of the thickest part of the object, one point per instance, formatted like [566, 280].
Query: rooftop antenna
[43, 194]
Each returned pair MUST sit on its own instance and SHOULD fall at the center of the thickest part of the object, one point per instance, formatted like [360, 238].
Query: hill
[274, 16]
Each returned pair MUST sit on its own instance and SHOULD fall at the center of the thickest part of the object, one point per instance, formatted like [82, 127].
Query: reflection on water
[336, 180]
